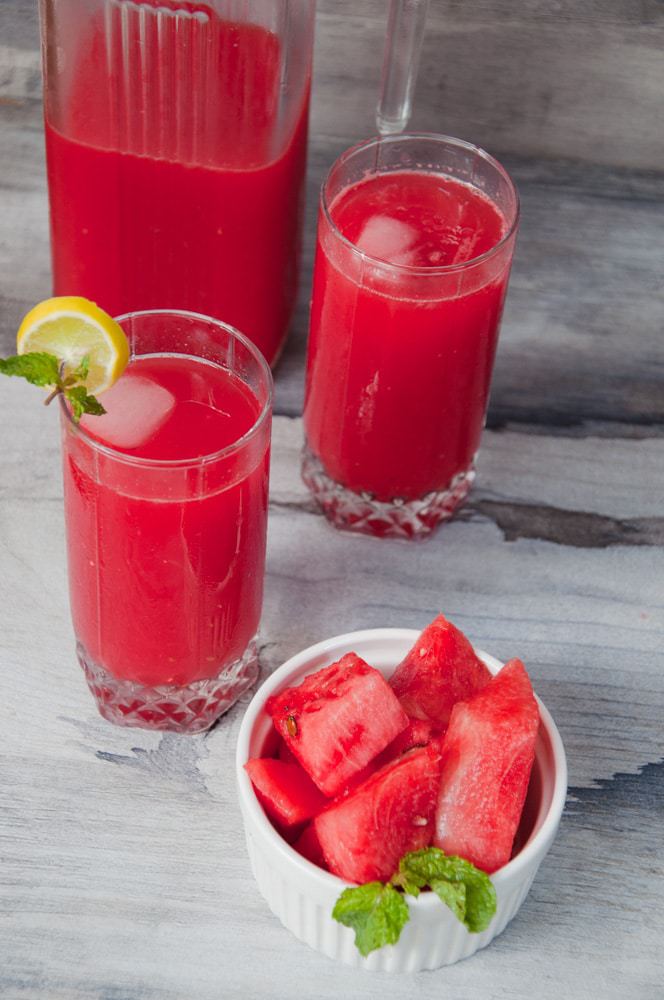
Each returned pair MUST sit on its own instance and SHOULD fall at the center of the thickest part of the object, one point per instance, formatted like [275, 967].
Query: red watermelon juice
[166, 513]
[175, 177]
[410, 279]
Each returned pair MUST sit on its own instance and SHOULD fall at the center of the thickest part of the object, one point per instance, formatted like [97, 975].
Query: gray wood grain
[588, 280]
[124, 872]
[582, 333]
[582, 81]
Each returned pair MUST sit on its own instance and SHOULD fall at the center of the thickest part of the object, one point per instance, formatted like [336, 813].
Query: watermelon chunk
[363, 775]
[439, 670]
[287, 794]
[488, 753]
[418, 733]
[286, 754]
[337, 720]
[364, 835]
[308, 845]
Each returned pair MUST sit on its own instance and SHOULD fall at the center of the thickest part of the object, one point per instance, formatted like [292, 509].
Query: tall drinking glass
[176, 145]
[166, 515]
[415, 241]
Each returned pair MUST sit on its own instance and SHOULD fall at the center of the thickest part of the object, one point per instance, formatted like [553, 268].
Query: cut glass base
[189, 709]
[396, 518]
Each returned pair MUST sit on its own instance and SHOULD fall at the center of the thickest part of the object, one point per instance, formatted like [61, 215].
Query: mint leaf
[481, 899]
[402, 880]
[45, 369]
[468, 891]
[37, 367]
[376, 912]
[453, 894]
[81, 402]
[81, 373]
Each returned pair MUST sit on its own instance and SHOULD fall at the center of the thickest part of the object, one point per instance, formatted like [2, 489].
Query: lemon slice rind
[71, 328]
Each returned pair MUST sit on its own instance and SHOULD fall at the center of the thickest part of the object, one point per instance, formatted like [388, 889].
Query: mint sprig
[40, 368]
[378, 911]
[467, 890]
[37, 368]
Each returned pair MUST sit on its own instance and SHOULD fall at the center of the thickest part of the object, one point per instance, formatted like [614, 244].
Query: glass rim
[439, 138]
[184, 463]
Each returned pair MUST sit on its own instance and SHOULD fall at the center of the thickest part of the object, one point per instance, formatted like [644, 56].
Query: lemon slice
[72, 328]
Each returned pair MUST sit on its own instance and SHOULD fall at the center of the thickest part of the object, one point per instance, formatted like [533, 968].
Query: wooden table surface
[123, 871]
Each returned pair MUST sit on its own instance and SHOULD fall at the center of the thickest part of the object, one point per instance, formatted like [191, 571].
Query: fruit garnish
[72, 328]
[378, 911]
[467, 890]
[45, 369]
[73, 347]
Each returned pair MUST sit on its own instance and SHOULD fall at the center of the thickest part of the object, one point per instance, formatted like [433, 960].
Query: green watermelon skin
[487, 756]
[364, 834]
[285, 791]
[337, 720]
[440, 670]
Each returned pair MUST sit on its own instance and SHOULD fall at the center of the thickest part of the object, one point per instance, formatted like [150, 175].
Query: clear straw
[405, 31]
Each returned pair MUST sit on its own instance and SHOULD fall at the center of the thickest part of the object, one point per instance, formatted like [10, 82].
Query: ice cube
[136, 407]
[388, 239]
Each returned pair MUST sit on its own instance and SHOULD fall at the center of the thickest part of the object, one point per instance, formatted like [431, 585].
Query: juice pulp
[400, 360]
[165, 562]
[172, 180]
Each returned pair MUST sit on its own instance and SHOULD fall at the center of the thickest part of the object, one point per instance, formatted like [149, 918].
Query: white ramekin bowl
[302, 895]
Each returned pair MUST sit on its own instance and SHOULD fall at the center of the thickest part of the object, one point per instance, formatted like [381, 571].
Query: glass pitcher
[176, 151]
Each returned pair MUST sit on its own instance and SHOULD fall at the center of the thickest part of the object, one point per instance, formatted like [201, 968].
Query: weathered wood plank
[93, 917]
[25, 268]
[529, 79]
[582, 333]
[124, 872]
[593, 615]
[534, 79]
[19, 32]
